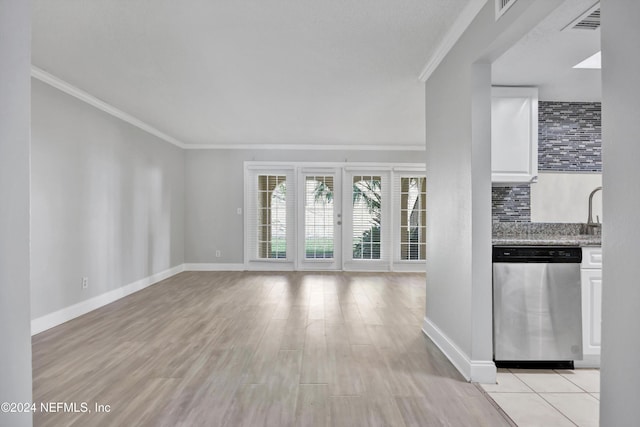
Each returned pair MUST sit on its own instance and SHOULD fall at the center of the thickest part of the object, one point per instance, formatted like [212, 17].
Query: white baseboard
[268, 266]
[477, 371]
[56, 318]
[483, 371]
[365, 267]
[286, 266]
[214, 267]
[409, 268]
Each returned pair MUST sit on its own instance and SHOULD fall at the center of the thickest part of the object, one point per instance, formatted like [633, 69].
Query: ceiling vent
[589, 20]
[502, 6]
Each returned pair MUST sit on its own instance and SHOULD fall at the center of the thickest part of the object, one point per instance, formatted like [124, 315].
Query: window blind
[319, 211]
[270, 215]
[410, 194]
[366, 217]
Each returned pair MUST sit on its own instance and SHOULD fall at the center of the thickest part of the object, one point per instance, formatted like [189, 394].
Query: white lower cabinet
[591, 279]
[591, 314]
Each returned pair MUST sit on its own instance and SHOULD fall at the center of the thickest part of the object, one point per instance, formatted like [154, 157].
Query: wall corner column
[482, 366]
[15, 106]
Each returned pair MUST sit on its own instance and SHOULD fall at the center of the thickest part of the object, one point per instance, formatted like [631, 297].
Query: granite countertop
[544, 234]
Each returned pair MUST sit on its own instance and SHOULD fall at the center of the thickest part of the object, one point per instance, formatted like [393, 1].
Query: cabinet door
[591, 257]
[514, 134]
[591, 310]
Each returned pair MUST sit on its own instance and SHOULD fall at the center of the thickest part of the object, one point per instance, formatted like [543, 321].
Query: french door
[319, 219]
[334, 217]
[366, 226]
[343, 219]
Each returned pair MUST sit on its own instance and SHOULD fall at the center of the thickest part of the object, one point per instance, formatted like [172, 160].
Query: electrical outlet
[218, 254]
[239, 211]
[85, 282]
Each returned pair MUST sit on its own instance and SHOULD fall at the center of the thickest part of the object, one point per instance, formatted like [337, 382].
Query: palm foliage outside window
[319, 211]
[366, 218]
[413, 218]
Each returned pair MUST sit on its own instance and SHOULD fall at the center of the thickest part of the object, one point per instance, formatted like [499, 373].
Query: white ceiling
[251, 71]
[545, 58]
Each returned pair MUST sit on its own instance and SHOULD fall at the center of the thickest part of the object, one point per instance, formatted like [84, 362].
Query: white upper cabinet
[514, 134]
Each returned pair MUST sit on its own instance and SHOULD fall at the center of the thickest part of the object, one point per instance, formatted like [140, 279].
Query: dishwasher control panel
[537, 254]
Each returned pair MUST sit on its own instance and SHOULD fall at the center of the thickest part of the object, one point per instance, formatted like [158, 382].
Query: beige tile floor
[542, 398]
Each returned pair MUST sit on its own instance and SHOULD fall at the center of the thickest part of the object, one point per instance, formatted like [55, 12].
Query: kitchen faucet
[590, 222]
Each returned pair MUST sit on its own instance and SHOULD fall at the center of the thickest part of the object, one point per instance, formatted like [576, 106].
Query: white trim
[465, 18]
[455, 355]
[374, 267]
[349, 167]
[245, 214]
[332, 147]
[388, 170]
[317, 170]
[398, 263]
[257, 164]
[212, 266]
[267, 266]
[480, 371]
[69, 89]
[68, 313]
[251, 260]
[319, 264]
[382, 264]
[483, 371]
[409, 170]
[367, 270]
[404, 266]
[269, 167]
[80, 94]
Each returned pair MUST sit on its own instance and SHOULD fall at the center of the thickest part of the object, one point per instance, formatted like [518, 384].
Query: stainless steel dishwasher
[537, 314]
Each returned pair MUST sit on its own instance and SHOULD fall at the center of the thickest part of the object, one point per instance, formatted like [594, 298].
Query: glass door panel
[319, 217]
[366, 216]
[319, 240]
[413, 218]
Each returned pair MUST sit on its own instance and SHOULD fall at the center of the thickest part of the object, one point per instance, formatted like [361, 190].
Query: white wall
[215, 189]
[459, 312]
[621, 229]
[15, 350]
[564, 197]
[107, 202]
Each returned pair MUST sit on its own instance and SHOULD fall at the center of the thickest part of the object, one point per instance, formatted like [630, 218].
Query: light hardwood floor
[254, 349]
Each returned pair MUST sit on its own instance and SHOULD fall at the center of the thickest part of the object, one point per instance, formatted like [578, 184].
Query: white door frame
[384, 263]
[343, 173]
[335, 263]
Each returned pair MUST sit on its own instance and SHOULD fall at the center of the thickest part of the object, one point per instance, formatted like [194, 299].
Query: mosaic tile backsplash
[569, 136]
[569, 140]
[511, 204]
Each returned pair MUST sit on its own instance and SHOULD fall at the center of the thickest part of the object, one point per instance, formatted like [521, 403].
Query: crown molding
[465, 18]
[334, 147]
[69, 89]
